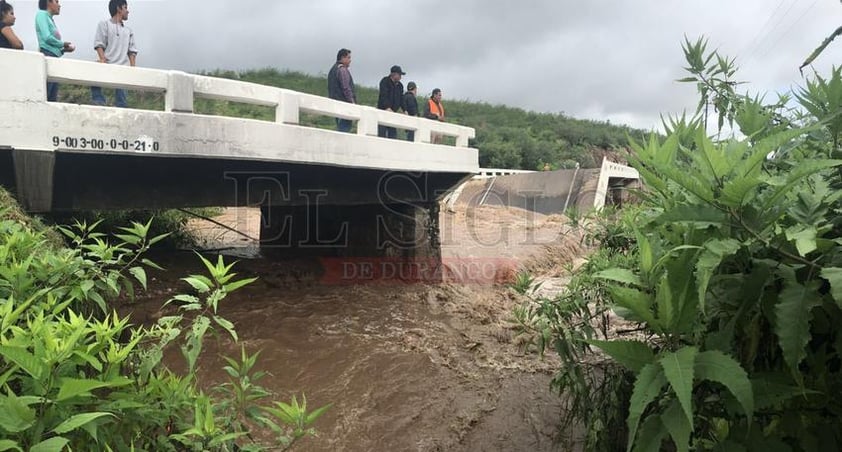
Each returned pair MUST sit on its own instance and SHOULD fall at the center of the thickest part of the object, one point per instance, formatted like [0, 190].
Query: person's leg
[120, 99]
[410, 135]
[343, 125]
[96, 96]
[52, 87]
[52, 91]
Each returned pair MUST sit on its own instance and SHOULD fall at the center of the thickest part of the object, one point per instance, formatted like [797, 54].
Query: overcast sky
[599, 59]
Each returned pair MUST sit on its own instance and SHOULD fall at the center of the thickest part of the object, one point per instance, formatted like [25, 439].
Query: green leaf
[224, 323]
[15, 416]
[668, 304]
[805, 238]
[315, 414]
[7, 444]
[631, 354]
[769, 394]
[237, 284]
[679, 371]
[803, 169]
[677, 426]
[636, 301]
[715, 251]
[71, 387]
[89, 359]
[200, 283]
[793, 314]
[140, 275]
[652, 435]
[79, 420]
[718, 367]
[834, 276]
[151, 264]
[100, 302]
[54, 444]
[25, 360]
[620, 275]
[647, 387]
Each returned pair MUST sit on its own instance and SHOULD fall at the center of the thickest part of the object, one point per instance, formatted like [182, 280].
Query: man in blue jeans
[114, 44]
[340, 85]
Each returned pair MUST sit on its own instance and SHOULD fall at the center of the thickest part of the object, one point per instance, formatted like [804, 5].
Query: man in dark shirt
[410, 106]
[340, 85]
[391, 99]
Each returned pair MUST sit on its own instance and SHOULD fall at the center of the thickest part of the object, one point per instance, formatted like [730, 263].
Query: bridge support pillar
[34, 179]
[392, 231]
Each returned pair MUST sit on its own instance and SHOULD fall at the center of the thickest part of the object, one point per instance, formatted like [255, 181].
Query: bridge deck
[68, 156]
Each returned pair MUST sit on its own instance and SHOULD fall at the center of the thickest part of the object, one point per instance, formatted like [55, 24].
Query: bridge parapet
[181, 89]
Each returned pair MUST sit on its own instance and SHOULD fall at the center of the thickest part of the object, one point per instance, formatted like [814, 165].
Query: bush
[733, 280]
[73, 373]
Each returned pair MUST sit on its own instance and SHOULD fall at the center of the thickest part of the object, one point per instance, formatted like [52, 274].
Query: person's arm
[383, 99]
[132, 50]
[45, 36]
[345, 83]
[101, 41]
[13, 39]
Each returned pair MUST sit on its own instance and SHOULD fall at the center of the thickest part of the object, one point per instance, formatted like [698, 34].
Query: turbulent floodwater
[406, 367]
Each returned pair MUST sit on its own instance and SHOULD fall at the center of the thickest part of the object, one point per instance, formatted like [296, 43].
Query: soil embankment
[406, 367]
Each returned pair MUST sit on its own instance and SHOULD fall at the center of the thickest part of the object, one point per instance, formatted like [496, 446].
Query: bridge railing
[181, 89]
[485, 173]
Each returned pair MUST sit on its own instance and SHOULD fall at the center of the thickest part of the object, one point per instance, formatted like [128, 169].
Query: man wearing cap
[391, 98]
[410, 106]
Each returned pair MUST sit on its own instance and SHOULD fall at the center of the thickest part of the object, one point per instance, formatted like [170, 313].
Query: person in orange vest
[435, 110]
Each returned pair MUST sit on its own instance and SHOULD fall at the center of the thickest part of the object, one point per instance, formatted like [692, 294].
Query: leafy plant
[731, 277]
[76, 375]
[524, 282]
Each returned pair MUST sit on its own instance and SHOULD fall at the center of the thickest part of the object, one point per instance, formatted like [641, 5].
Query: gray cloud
[598, 59]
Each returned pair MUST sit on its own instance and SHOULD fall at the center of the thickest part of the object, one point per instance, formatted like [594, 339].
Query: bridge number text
[142, 144]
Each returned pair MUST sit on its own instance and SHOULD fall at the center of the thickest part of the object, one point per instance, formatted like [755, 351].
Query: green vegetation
[507, 137]
[169, 223]
[75, 374]
[727, 277]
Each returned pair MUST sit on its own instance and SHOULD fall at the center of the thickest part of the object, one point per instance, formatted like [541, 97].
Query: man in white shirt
[114, 44]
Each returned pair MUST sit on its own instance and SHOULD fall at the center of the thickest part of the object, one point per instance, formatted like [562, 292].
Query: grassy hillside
[507, 137]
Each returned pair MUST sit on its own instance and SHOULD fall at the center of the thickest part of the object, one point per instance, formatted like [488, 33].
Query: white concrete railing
[608, 171]
[181, 89]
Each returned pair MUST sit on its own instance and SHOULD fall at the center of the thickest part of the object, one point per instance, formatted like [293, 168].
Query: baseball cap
[397, 69]
[411, 86]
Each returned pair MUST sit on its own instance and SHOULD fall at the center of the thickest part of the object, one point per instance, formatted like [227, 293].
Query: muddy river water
[406, 367]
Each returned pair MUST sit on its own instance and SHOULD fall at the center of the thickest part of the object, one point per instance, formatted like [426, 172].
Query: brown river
[406, 367]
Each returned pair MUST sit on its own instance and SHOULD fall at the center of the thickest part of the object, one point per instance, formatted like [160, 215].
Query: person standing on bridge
[114, 44]
[390, 99]
[435, 110]
[340, 85]
[8, 38]
[410, 106]
[49, 38]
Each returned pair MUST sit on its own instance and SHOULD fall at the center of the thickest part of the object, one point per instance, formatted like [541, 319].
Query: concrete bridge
[320, 191]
